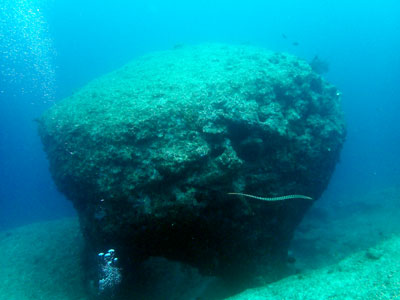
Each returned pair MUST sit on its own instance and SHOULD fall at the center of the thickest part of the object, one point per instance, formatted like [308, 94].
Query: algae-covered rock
[148, 153]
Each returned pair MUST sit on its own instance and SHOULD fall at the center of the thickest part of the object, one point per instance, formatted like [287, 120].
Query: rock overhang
[163, 139]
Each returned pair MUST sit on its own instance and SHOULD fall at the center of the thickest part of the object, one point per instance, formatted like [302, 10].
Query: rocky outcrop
[149, 153]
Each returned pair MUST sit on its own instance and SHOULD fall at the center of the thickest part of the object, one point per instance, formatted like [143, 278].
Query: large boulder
[149, 153]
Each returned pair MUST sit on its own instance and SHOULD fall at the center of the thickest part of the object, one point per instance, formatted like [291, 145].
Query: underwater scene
[199, 150]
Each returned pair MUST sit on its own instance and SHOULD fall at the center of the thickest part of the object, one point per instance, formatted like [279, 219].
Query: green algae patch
[149, 153]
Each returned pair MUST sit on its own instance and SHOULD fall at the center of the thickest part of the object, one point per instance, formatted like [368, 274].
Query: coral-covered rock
[149, 153]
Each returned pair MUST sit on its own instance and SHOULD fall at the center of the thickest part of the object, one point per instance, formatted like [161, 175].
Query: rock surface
[148, 153]
[358, 277]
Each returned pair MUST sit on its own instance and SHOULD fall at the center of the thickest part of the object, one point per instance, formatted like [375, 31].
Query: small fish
[284, 36]
[178, 46]
[295, 44]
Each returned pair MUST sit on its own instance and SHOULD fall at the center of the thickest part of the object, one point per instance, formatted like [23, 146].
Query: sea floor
[347, 247]
[370, 274]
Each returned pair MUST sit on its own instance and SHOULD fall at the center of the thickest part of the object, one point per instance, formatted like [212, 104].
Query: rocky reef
[149, 153]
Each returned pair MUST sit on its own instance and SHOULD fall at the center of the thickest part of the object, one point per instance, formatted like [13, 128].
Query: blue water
[48, 49]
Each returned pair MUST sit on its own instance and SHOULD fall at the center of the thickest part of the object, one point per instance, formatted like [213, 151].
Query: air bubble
[26, 50]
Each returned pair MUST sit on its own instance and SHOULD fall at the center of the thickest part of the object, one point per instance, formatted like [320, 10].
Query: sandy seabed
[43, 260]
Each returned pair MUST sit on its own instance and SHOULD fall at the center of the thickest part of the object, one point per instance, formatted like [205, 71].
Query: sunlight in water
[26, 49]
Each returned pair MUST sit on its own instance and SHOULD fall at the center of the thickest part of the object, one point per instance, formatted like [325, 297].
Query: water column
[26, 51]
[27, 88]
